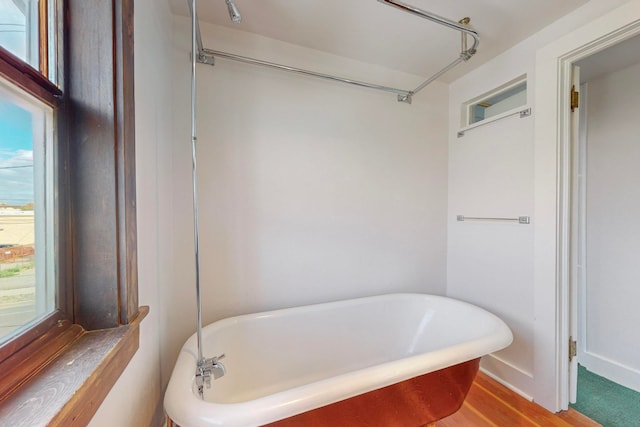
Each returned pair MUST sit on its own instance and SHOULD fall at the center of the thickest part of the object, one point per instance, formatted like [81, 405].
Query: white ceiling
[375, 33]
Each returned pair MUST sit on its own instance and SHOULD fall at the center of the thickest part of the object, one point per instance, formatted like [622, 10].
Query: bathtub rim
[186, 409]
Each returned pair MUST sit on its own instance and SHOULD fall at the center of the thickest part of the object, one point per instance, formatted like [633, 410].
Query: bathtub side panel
[414, 402]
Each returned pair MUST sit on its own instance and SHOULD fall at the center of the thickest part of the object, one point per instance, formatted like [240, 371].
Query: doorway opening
[604, 237]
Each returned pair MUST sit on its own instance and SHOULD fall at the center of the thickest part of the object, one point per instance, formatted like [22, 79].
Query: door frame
[552, 192]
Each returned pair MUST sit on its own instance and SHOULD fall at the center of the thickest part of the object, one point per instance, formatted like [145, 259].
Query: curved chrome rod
[437, 19]
[466, 53]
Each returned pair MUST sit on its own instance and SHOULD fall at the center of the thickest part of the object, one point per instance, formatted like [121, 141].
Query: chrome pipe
[463, 36]
[463, 42]
[248, 60]
[194, 176]
[197, 24]
[438, 74]
[234, 13]
[205, 368]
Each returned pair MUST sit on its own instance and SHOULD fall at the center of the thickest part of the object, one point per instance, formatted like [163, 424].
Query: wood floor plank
[490, 404]
[537, 414]
[466, 416]
[501, 412]
[575, 418]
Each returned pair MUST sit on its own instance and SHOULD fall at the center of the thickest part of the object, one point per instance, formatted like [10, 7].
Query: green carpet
[606, 402]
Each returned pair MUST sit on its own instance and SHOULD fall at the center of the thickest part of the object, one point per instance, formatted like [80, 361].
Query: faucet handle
[218, 370]
[208, 368]
[215, 368]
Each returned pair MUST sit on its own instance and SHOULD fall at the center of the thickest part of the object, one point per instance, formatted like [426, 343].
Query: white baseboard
[611, 370]
[509, 375]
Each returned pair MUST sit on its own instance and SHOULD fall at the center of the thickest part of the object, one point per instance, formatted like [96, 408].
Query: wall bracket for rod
[405, 98]
[204, 58]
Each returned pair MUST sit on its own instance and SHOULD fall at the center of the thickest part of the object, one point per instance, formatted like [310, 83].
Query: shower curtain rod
[208, 368]
[207, 56]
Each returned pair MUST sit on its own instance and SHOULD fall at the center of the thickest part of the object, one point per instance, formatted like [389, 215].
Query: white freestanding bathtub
[287, 363]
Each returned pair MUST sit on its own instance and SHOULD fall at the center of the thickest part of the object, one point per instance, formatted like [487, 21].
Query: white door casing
[575, 240]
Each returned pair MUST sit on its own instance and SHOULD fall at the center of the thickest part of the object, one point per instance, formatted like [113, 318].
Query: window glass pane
[26, 288]
[498, 103]
[19, 32]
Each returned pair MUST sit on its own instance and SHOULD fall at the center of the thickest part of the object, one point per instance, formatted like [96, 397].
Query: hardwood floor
[490, 404]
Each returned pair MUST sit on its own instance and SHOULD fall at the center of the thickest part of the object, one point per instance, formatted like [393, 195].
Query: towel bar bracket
[525, 113]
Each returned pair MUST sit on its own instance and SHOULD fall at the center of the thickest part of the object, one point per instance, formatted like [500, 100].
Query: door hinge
[575, 98]
[573, 349]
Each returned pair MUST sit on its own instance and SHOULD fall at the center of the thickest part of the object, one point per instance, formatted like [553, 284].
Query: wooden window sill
[68, 389]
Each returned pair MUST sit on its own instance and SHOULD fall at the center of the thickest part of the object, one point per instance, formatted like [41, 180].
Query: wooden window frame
[97, 317]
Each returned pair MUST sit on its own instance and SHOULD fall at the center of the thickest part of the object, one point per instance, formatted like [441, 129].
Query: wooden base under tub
[415, 402]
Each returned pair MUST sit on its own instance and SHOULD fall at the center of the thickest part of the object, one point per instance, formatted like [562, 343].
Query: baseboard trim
[611, 370]
[514, 378]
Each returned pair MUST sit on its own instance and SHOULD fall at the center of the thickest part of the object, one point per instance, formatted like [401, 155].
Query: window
[19, 29]
[27, 284]
[27, 169]
[496, 103]
[67, 137]
[25, 32]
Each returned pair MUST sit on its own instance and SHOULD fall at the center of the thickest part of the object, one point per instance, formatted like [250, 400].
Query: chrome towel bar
[519, 220]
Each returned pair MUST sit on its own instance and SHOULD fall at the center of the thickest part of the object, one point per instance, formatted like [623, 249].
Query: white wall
[613, 232]
[493, 172]
[136, 397]
[489, 263]
[310, 190]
